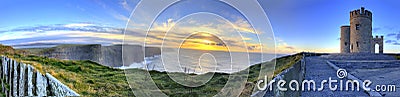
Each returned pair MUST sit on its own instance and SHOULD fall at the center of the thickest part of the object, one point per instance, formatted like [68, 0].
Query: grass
[397, 56]
[88, 78]
[285, 62]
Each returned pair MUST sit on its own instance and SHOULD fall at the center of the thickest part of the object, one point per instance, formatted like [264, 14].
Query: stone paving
[379, 69]
[317, 69]
[379, 72]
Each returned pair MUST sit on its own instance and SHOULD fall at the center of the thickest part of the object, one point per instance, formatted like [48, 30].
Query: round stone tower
[360, 31]
[345, 39]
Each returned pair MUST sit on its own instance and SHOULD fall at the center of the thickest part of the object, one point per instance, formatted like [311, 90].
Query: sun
[204, 41]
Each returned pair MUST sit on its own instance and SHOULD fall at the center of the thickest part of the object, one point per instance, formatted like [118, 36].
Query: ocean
[201, 61]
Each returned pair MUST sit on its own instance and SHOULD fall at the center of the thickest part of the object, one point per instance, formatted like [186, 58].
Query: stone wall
[19, 79]
[296, 72]
[379, 41]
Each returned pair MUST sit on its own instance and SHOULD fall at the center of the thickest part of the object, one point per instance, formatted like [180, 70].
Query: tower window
[357, 44]
[345, 43]
[358, 26]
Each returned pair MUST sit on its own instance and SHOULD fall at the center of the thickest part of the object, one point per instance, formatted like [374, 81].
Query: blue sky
[314, 25]
[298, 25]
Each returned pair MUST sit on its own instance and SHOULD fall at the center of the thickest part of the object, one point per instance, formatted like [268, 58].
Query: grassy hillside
[6, 49]
[87, 78]
[91, 79]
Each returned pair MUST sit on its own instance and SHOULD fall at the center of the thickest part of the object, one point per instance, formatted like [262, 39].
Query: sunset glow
[204, 41]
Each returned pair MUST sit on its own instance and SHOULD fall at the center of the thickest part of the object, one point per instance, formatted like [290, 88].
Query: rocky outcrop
[19, 79]
[105, 55]
[74, 52]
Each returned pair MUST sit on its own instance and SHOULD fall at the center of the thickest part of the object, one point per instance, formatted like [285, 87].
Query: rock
[59, 89]
[15, 79]
[41, 84]
[29, 81]
[21, 80]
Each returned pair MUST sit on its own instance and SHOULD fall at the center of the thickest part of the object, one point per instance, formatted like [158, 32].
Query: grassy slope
[85, 77]
[91, 79]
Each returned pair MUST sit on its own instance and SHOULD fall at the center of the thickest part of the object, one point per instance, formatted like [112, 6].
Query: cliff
[105, 55]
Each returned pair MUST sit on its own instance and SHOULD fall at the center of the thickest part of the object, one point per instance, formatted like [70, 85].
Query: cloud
[282, 47]
[67, 27]
[125, 5]
[240, 25]
[77, 25]
[290, 47]
[396, 43]
[69, 33]
[391, 34]
[376, 29]
[395, 35]
[121, 17]
[390, 41]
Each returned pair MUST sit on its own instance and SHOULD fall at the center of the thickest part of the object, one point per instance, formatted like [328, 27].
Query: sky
[295, 25]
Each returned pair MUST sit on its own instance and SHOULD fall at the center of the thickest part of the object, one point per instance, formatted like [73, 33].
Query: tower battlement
[361, 13]
[378, 37]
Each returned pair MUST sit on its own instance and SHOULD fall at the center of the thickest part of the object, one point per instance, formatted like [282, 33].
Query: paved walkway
[317, 69]
[380, 71]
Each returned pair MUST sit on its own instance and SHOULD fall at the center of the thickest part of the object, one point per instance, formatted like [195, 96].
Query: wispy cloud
[284, 48]
[125, 5]
[77, 25]
[121, 17]
[65, 33]
[393, 38]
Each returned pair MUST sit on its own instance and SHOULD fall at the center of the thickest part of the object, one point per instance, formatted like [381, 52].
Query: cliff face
[106, 55]
[74, 52]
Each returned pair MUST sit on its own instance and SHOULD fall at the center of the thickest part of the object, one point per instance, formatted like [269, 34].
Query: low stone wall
[296, 72]
[19, 79]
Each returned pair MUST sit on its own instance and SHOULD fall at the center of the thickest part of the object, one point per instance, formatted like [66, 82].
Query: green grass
[88, 78]
[397, 57]
[285, 62]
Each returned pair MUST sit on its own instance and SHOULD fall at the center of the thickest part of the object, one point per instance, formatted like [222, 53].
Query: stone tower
[345, 39]
[357, 38]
